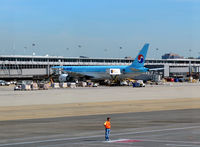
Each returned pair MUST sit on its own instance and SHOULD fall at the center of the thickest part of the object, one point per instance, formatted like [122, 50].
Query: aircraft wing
[156, 69]
[71, 73]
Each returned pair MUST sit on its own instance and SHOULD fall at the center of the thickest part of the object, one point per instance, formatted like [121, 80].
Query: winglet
[140, 59]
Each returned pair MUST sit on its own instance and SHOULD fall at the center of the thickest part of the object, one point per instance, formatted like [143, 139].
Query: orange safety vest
[107, 125]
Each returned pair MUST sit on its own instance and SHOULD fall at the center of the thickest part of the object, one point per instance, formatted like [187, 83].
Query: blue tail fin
[140, 59]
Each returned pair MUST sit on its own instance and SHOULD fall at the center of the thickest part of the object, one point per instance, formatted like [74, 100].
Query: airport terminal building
[21, 67]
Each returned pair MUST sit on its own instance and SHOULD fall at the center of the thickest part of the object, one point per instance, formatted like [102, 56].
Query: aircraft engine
[63, 77]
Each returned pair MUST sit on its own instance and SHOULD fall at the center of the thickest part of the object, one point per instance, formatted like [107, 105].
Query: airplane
[119, 72]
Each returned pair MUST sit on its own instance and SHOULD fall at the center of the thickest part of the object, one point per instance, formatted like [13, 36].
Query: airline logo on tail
[140, 58]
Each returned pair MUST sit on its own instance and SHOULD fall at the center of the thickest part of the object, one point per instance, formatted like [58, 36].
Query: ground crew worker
[107, 129]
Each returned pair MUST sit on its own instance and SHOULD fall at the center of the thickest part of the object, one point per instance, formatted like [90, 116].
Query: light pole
[156, 54]
[105, 51]
[13, 48]
[67, 49]
[190, 51]
[80, 46]
[33, 48]
[190, 62]
[25, 48]
[120, 49]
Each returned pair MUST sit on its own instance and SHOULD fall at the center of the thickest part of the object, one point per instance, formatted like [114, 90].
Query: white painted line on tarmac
[49, 136]
[171, 141]
[181, 145]
[159, 130]
[75, 138]
[116, 140]
[48, 140]
[65, 144]
[123, 141]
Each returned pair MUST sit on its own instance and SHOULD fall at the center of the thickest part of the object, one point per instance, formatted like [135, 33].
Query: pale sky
[99, 28]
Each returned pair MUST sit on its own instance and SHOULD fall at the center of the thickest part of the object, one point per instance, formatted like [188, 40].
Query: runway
[175, 128]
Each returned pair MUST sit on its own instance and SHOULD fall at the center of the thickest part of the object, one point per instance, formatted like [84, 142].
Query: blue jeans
[107, 134]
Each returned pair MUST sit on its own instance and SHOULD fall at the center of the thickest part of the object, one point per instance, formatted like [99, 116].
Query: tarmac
[179, 128]
[154, 116]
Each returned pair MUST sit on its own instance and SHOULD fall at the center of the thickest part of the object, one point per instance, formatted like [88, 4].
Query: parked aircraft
[107, 72]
